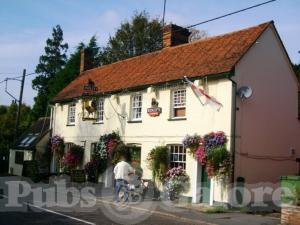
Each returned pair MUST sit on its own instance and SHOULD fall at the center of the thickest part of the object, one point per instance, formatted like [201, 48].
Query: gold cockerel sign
[89, 101]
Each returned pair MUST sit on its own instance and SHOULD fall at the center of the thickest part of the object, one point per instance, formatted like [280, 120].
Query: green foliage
[139, 36]
[72, 68]
[219, 160]
[67, 74]
[54, 59]
[8, 116]
[217, 209]
[296, 194]
[121, 151]
[49, 64]
[297, 70]
[158, 161]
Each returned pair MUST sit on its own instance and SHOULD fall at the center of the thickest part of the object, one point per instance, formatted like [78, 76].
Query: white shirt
[122, 169]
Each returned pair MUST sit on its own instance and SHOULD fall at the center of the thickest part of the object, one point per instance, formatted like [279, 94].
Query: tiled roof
[214, 55]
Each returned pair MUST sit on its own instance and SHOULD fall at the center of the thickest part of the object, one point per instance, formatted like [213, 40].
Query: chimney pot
[175, 35]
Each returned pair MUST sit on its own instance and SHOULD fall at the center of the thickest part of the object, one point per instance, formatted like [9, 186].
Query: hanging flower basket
[192, 143]
[211, 153]
[57, 146]
[73, 156]
[106, 150]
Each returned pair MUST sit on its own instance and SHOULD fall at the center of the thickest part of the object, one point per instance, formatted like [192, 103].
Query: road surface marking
[56, 213]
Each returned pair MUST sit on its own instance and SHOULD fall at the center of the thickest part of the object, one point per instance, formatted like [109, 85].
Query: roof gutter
[157, 85]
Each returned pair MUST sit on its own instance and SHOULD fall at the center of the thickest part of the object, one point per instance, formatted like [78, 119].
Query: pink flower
[200, 155]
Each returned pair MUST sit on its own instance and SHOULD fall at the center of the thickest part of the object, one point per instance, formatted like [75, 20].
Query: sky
[26, 24]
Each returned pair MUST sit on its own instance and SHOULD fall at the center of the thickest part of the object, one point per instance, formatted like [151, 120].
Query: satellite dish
[244, 92]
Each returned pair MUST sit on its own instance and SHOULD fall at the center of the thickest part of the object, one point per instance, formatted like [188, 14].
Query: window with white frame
[136, 107]
[71, 114]
[100, 110]
[177, 156]
[178, 103]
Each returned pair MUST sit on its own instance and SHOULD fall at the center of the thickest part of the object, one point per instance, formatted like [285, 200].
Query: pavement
[105, 211]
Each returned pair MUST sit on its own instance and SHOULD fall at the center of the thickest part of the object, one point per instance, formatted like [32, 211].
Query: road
[43, 204]
[40, 217]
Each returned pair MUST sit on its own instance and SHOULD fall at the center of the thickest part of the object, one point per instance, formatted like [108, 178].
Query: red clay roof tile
[213, 55]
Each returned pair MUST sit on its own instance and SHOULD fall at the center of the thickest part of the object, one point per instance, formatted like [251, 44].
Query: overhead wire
[16, 78]
[187, 27]
[229, 14]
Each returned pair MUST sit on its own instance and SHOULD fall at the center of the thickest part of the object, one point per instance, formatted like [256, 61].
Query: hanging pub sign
[154, 110]
[89, 88]
[89, 101]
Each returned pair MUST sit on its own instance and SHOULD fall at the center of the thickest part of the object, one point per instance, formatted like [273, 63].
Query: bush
[217, 209]
[91, 169]
[176, 182]
[158, 161]
[121, 150]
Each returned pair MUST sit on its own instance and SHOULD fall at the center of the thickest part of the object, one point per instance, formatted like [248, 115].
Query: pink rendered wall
[267, 123]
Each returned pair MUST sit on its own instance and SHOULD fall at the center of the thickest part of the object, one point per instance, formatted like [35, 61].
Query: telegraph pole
[164, 13]
[20, 104]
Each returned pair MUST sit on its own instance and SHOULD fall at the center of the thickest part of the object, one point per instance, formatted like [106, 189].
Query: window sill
[70, 125]
[97, 123]
[134, 121]
[177, 119]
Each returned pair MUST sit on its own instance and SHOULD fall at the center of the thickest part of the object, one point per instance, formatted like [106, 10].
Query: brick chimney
[175, 35]
[85, 61]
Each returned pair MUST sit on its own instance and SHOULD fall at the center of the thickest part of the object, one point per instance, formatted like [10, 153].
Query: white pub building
[146, 100]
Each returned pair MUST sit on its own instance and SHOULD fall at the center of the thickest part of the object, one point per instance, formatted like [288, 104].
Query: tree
[67, 74]
[8, 116]
[72, 67]
[297, 70]
[139, 36]
[93, 51]
[49, 64]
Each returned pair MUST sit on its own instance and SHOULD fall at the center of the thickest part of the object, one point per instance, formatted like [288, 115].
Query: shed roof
[33, 134]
